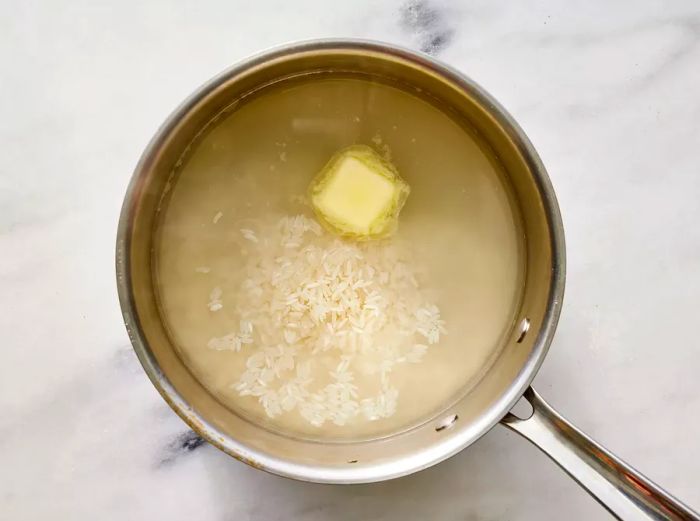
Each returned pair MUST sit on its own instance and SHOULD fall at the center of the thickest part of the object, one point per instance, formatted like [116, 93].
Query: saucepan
[625, 492]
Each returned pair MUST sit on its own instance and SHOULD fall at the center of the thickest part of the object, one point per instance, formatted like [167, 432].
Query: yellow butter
[359, 194]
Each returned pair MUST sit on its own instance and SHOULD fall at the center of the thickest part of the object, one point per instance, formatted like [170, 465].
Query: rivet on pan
[447, 423]
[523, 328]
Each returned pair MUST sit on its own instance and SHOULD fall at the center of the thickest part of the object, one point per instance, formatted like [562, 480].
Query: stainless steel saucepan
[626, 493]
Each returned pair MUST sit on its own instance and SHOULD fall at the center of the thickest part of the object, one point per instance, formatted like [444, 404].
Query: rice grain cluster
[325, 322]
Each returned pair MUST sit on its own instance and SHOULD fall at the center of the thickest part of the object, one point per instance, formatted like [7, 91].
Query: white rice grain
[249, 235]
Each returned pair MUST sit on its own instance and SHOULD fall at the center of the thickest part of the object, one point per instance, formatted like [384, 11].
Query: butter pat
[358, 194]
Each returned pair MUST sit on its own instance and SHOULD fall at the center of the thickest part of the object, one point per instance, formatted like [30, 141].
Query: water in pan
[236, 238]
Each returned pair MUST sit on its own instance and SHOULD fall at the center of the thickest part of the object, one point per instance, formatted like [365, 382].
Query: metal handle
[623, 491]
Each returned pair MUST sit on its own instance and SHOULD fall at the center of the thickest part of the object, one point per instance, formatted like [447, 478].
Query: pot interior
[527, 318]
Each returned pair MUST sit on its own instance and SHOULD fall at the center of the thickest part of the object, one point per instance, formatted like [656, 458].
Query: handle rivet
[523, 328]
[447, 422]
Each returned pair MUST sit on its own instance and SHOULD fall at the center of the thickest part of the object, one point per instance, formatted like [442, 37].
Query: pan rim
[379, 471]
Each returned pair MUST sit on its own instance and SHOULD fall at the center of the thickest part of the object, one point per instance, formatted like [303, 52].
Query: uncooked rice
[215, 303]
[316, 311]
[249, 234]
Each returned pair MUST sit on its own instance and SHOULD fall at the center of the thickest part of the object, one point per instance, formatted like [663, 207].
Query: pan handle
[623, 491]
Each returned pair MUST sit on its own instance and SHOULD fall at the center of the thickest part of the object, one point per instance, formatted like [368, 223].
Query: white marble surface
[609, 92]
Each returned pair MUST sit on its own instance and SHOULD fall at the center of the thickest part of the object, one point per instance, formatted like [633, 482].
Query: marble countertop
[609, 92]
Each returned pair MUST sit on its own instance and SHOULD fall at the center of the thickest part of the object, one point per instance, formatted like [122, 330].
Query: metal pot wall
[623, 491]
